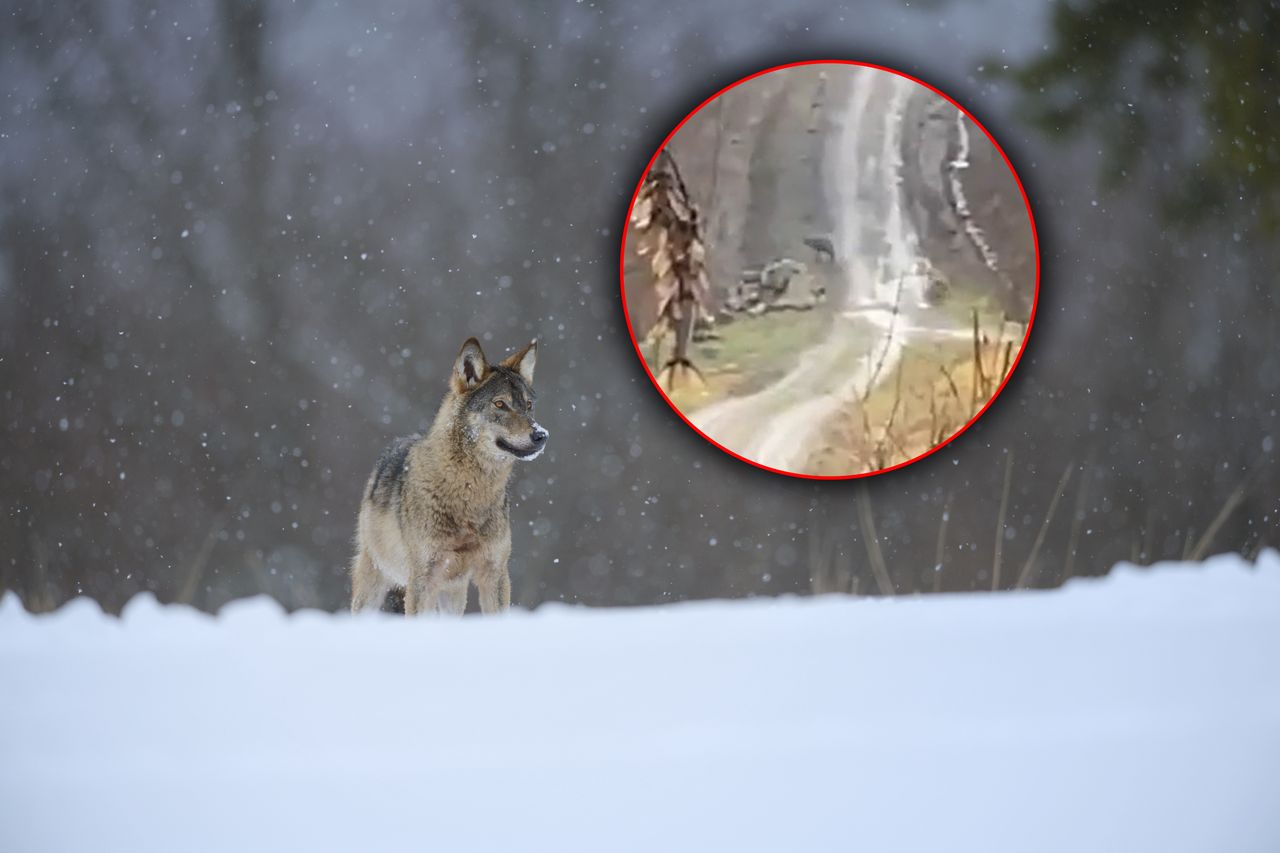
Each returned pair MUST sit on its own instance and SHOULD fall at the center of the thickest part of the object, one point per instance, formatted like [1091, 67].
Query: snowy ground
[1136, 713]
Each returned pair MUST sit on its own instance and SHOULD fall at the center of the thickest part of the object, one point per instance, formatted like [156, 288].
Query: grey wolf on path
[435, 513]
[821, 246]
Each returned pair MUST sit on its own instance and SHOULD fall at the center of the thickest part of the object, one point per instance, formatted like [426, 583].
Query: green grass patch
[964, 298]
[750, 354]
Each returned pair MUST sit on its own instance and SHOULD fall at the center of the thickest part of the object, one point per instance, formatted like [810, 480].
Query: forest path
[883, 312]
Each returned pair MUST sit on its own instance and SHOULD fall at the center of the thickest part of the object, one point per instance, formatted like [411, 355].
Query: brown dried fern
[669, 231]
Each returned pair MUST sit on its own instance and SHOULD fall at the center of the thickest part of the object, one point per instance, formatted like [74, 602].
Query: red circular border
[622, 257]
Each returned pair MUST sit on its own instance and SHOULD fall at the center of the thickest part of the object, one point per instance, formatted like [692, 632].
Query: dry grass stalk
[979, 384]
[874, 555]
[1232, 503]
[817, 566]
[942, 543]
[995, 355]
[1077, 519]
[866, 438]
[1004, 508]
[1008, 358]
[937, 425]
[950, 382]
[40, 597]
[897, 437]
[1024, 577]
[1149, 535]
[903, 453]
[887, 436]
[187, 592]
[824, 576]
[888, 341]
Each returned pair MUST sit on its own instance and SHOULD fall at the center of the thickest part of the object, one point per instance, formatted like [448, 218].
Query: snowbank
[1136, 713]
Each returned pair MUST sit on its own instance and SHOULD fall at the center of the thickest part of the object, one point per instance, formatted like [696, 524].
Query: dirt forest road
[877, 249]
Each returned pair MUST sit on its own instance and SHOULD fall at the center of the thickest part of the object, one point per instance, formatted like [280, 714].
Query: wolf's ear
[470, 368]
[524, 361]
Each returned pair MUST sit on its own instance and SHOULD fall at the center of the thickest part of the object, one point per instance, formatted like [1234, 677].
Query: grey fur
[387, 482]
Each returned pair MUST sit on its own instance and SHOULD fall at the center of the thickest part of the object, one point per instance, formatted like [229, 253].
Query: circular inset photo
[829, 269]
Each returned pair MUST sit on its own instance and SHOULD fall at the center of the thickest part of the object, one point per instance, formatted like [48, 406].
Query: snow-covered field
[1136, 713]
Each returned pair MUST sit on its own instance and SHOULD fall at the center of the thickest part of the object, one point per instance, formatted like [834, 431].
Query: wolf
[821, 246]
[435, 513]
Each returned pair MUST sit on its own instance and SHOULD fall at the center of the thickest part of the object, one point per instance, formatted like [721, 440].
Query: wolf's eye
[528, 405]
[501, 404]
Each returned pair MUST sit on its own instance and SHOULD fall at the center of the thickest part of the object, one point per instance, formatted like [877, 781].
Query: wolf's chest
[464, 544]
[464, 533]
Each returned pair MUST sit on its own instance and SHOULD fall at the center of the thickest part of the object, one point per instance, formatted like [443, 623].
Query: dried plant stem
[951, 382]
[942, 543]
[1024, 577]
[995, 351]
[822, 563]
[817, 569]
[935, 429]
[874, 555]
[1232, 502]
[1077, 520]
[40, 596]
[1004, 507]
[187, 594]
[979, 381]
[1187, 541]
[888, 436]
[1149, 535]
[888, 341]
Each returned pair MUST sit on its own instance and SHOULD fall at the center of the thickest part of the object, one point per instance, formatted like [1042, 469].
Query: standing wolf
[434, 517]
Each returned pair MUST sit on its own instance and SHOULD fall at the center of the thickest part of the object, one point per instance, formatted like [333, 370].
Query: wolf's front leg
[452, 598]
[494, 587]
[369, 587]
[421, 591]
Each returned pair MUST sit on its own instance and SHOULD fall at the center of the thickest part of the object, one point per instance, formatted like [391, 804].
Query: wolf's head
[495, 402]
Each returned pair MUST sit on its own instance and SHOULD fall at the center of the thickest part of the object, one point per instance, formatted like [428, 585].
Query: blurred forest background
[241, 243]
